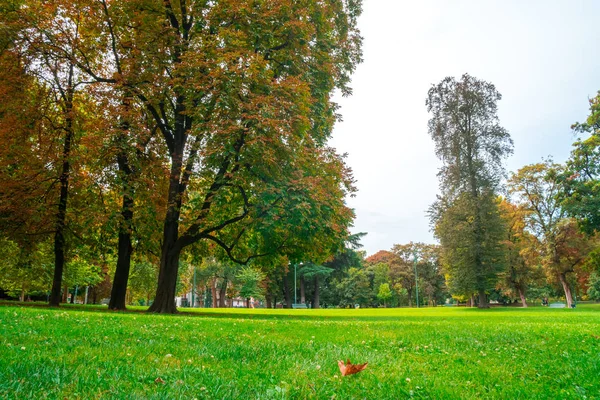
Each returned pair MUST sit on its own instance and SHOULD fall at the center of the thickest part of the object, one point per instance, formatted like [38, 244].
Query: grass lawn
[437, 353]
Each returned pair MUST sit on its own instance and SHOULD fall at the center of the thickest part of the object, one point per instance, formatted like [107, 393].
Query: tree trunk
[65, 294]
[22, 295]
[286, 292]
[316, 294]
[164, 301]
[563, 281]
[302, 296]
[409, 294]
[119, 287]
[61, 214]
[482, 299]
[268, 300]
[223, 294]
[213, 293]
[522, 296]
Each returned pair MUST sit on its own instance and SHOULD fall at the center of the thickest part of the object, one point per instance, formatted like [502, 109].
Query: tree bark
[522, 296]
[164, 301]
[563, 281]
[316, 294]
[61, 215]
[482, 299]
[22, 295]
[119, 288]
[223, 294]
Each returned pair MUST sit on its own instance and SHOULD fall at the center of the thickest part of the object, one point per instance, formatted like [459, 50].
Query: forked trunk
[563, 281]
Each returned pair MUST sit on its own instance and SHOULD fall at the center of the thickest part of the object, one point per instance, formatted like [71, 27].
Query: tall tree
[472, 146]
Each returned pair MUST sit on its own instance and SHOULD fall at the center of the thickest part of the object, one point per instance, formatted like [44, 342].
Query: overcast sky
[543, 57]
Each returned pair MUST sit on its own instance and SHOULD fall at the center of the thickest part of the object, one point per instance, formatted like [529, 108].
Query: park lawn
[437, 353]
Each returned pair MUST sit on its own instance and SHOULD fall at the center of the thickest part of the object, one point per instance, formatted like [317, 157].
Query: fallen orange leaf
[349, 368]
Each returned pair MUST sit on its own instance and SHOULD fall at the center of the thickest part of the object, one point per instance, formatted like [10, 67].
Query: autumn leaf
[349, 368]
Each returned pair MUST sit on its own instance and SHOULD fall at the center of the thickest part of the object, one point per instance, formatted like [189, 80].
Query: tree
[522, 253]
[581, 178]
[385, 293]
[250, 279]
[315, 272]
[472, 146]
[562, 247]
[244, 109]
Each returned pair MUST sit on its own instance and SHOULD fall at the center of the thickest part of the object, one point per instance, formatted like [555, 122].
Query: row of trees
[156, 131]
[508, 234]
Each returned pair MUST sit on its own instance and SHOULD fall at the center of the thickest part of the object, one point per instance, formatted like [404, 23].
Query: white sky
[543, 57]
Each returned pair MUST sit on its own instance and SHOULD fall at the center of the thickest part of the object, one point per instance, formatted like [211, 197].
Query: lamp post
[416, 276]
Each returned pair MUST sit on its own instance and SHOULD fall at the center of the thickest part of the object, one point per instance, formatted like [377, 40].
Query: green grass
[437, 353]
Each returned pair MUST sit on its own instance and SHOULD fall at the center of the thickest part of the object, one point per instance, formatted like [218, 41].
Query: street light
[416, 276]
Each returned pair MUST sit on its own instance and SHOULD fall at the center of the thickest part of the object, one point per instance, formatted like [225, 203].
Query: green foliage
[384, 293]
[250, 283]
[142, 281]
[594, 286]
[471, 234]
[25, 268]
[581, 179]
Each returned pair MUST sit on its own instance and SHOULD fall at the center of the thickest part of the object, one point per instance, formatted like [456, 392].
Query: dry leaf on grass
[159, 380]
[349, 368]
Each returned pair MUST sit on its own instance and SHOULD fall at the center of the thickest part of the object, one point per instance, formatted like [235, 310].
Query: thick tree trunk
[22, 295]
[522, 296]
[302, 296]
[164, 301]
[316, 294]
[482, 299]
[223, 294]
[268, 300]
[563, 281]
[287, 292]
[119, 286]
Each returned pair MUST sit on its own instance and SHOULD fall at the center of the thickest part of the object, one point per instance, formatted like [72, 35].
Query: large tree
[563, 249]
[472, 146]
